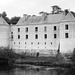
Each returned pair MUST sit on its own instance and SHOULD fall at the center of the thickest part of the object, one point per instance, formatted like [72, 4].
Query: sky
[33, 7]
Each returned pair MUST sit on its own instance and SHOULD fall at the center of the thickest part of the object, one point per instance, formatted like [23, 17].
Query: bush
[8, 53]
[73, 55]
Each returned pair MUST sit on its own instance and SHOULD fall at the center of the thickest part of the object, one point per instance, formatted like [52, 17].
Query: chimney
[25, 16]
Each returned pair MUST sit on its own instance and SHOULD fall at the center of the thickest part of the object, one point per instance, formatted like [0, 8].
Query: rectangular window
[18, 36]
[26, 29]
[66, 35]
[18, 29]
[45, 36]
[36, 36]
[26, 36]
[45, 29]
[66, 27]
[36, 29]
[55, 28]
[11, 36]
[55, 36]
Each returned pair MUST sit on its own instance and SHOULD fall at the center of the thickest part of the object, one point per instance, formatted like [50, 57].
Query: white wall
[67, 45]
[31, 38]
[4, 36]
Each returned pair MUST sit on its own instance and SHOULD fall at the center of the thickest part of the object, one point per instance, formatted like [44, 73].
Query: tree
[56, 9]
[4, 14]
[14, 20]
[66, 11]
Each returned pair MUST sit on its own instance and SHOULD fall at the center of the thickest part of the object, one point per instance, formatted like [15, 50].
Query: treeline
[13, 20]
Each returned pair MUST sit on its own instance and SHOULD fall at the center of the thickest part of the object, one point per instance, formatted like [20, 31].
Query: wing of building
[45, 34]
[4, 33]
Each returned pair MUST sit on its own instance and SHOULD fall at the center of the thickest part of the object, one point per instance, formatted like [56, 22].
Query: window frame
[36, 29]
[66, 27]
[55, 36]
[55, 28]
[26, 36]
[18, 36]
[36, 36]
[45, 36]
[18, 29]
[66, 35]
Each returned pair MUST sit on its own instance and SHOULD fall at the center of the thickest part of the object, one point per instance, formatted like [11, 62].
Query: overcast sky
[33, 7]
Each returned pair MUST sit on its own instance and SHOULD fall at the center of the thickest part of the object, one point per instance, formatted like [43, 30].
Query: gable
[2, 21]
[69, 17]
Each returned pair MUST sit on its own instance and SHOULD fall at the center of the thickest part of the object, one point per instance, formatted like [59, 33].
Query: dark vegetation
[13, 20]
[73, 56]
[8, 54]
[21, 59]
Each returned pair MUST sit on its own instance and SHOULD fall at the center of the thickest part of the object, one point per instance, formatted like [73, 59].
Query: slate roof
[55, 18]
[51, 18]
[69, 17]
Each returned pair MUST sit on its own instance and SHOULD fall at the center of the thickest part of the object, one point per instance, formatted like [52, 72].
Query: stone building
[45, 34]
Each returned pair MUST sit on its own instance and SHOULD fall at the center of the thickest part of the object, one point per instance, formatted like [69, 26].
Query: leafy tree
[66, 11]
[56, 9]
[14, 20]
[4, 15]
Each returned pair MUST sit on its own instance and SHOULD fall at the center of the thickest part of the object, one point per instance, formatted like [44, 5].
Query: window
[66, 27]
[11, 36]
[38, 43]
[11, 32]
[45, 43]
[45, 29]
[19, 42]
[18, 36]
[55, 28]
[55, 36]
[25, 43]
[36, 36]
[51, 43]
[26, 29]
[45, 36]
[31, 42]
[36, 29]
[18, 29]
[66, 35]
[26, 36]
[14, 42]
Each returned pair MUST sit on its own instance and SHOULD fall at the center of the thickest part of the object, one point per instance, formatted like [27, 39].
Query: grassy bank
[21, 59]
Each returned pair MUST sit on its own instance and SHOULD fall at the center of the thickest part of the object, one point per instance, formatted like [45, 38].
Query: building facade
[45, 34]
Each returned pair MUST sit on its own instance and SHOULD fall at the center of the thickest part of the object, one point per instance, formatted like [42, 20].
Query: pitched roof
[55, 18]
[69, 17]
[51, 18]
[2, 21]
[30, 20]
